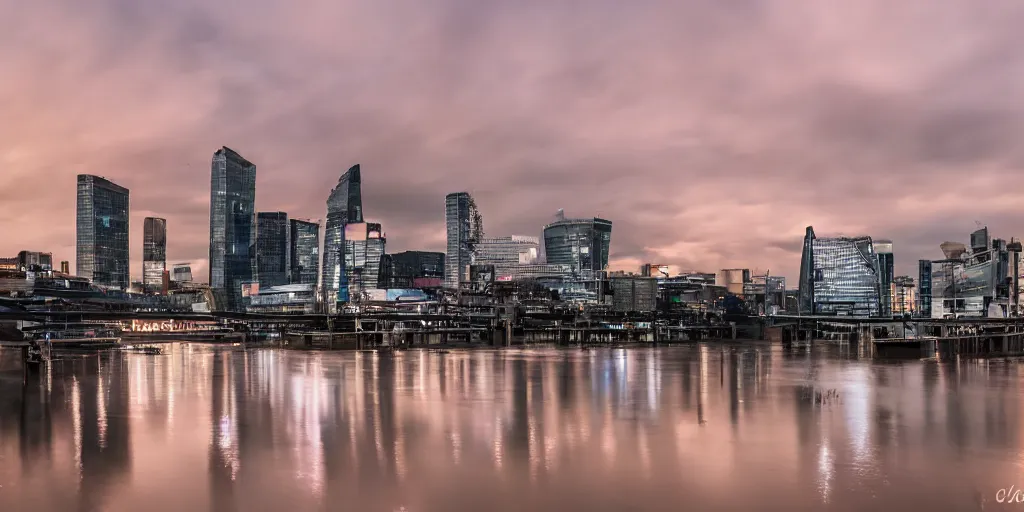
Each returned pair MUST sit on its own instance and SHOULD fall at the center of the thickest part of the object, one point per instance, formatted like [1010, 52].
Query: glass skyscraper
[582, 245]
[232, 225]
[102, 232]
[886, 274]
[840, 276]
[272, 249]
[344, 206]
[364, 249]
[154, 253]
[464, 228]
[304, 251]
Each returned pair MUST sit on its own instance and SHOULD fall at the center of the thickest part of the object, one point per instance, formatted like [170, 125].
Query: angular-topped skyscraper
[232, 225]
[272, 249]
[839, 276]
[102, 232]
[344, 206]
[154, 253]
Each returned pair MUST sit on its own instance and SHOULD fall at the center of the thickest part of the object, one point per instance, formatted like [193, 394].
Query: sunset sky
[711, 132]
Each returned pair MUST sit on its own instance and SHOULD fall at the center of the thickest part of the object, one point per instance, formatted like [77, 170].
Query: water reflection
[703, 427]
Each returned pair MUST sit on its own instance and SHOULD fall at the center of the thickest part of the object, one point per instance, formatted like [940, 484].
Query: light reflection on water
[700, 427]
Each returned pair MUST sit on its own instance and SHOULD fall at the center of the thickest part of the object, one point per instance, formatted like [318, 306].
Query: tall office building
[344, 206]
[154, 253]
[304, 251]
[924, 287]
[886, 275]
[272, 249]
[839, 276]
[464, 227]
[581, 244]
[102, 232]
[232, 225]
[363, 251]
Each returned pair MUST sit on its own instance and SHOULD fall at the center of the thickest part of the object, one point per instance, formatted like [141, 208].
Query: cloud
[711, 133]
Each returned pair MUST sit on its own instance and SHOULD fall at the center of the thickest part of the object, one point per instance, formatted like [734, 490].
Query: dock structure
[500, 325]
[913, 337]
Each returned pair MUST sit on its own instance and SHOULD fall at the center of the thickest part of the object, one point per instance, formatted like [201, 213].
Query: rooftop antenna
[978, 223]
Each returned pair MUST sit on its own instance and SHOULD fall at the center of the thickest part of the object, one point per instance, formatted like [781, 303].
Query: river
[701, 427]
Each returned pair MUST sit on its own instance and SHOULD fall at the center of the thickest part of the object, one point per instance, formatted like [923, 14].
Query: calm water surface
[691, 428]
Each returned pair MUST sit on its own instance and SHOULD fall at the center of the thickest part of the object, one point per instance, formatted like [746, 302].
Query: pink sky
[710, 132]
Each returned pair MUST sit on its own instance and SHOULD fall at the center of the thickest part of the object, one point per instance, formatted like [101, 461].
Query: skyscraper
[102, 232]
[839, 275]
[154, 253]
[363, 252]
[232, 225]
[581, 244]
[886, 275]
[464, 227]
[304, 249]
[272, 248]
[344, 206]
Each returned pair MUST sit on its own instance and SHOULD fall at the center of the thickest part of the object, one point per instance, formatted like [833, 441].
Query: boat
[153, 351]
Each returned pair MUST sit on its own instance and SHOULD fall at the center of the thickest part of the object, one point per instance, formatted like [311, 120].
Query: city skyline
[765, 126]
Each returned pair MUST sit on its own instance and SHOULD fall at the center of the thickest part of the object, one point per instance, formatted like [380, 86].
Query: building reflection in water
[535, 428]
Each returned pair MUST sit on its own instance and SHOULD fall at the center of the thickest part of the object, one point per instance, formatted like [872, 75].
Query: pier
[907, 338]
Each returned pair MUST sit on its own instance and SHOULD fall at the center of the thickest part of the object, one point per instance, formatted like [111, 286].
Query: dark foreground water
[693, 428]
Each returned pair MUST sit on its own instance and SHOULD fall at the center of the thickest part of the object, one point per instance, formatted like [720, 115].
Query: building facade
[412, 269]
[232, 225]
[886, 274]
[511, 256]
[35, 261]
[102, 232]
[344, 206]
[289, 298]
[272, 249]
[363, 252]
[303, 251]
[839, 276]
[924, 288]
[181, 273]
[464, 229]
[904, 296]
[582, 245]
[634, 294]
[154, 253]
[733, 279]
[765, 294]
[975, 282]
